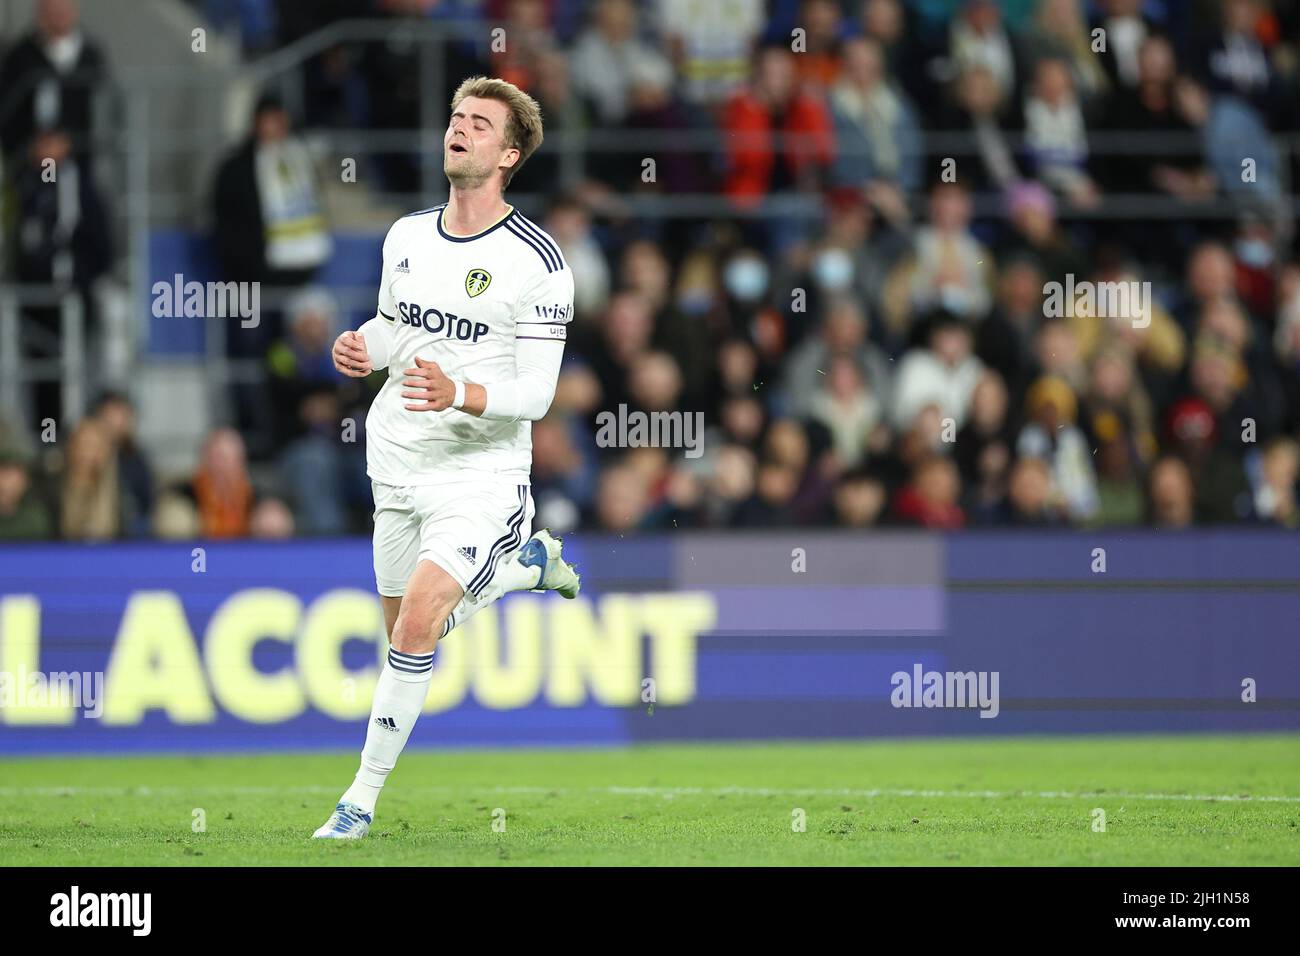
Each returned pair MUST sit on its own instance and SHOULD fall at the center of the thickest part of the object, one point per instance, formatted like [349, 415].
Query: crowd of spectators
[890, 361]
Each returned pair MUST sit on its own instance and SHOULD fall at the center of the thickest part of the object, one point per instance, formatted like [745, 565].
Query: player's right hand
[351, 356]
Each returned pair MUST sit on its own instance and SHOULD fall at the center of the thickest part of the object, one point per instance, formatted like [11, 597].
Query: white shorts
[465, 527]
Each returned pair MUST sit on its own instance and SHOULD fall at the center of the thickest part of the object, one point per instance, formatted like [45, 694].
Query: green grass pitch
[1167, 801]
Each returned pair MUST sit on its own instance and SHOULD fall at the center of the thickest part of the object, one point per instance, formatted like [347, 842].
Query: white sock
[399, 697]
[510, 576]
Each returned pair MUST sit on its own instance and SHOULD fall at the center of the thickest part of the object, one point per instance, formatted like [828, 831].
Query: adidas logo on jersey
[469, 554]
[387, 723]
[403, 266]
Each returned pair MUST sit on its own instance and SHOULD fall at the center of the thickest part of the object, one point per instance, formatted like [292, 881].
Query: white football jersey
[461, 302]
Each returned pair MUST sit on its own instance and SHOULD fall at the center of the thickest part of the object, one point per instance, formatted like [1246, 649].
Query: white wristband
[459, 400]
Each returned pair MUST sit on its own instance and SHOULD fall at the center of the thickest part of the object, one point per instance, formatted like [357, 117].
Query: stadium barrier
[268, 646]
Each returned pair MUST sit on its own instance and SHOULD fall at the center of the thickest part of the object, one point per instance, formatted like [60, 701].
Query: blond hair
[524, 123]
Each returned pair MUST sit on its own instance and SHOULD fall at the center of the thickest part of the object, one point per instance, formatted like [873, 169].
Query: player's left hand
[427, 387]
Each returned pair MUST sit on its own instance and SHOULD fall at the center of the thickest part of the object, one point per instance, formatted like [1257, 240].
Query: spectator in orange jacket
[774, 103]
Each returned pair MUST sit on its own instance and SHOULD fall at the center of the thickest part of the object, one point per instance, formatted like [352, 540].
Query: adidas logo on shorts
[469, 554]
[403, 266]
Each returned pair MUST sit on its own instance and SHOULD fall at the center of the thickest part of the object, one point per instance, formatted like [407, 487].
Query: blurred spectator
[1275, 485]
[930, 499]
[1003, 340]
[90, 499]
[61, 238]
[1051, 434]
[1210, 275]
[1036, 231]
[1165, 104]
[732, 482]
[983, 448]
[848, 407]
[1171, 494]
[1234, 60]
[843, 333]
[1114, 390]
[175, 517]
[771, 505]
[300, 363]
[948, 267]
[50, 80]
[269, 229]
[605, 57]
[1286, 341]
[61, 233]
[1158, 348]
[1030, 501]
[621, 499]
[1232, 133]
[532, 41]
[978, 37]
[886, 22]
[655, 110]
[22, 514]
[1218, 488]
[981, 110]
[552, 87]
[1057, 353]
[563, 477]
[710, 43]
[569, 224]
[655, 382]
[943, 374]
[818, 62]
[774, 105]
[1059, 30]
[1124, 27]
[625, 331]
[1254, 259]
[313, 466]
[859, 499]
[877, 136]
[271, 519]
[852, 258]
[221, 488]
[266, 207]
[1056, 139]
[1120, 498]
[116, 415]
